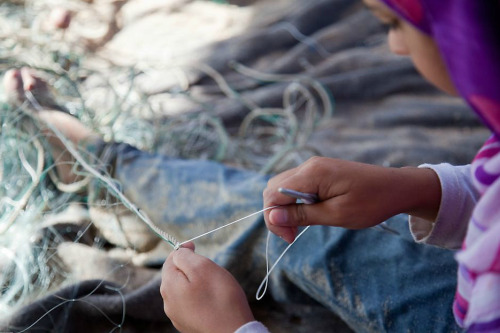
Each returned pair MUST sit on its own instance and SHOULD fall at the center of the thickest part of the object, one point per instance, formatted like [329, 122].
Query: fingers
[278, 179]
[169, 265]
[285, 220]
[272, 196]
[171, 269]
[176, 277]
[320, 176]
[352, 195]
[169, 281]
[190, 263]
[206, 299]
[188, 245]
[309, 177]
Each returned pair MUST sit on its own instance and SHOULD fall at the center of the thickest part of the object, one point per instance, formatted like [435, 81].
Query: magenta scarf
[467, 33]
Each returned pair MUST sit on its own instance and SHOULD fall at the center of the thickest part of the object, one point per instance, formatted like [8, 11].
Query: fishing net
[263, 87]
[111, 103]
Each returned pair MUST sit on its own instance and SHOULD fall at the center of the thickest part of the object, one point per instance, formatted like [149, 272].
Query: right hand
[200, 296]
[352, 195]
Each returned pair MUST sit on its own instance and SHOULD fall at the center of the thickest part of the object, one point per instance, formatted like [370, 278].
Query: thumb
[288, 216]
[189, 245]
[328, 212]
[283, 221]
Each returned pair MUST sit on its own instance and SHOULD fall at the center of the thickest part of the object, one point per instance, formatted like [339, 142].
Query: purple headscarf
[467, 33]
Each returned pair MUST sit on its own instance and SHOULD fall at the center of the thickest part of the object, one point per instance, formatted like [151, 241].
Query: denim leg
[186, 198]
[375, 281]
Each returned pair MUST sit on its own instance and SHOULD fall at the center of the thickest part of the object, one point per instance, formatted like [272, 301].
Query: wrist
[241, 319]
[422, 192]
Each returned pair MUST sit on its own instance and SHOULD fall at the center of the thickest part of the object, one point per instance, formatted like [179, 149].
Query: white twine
[260, 293]
[224, 226]
[265, 281]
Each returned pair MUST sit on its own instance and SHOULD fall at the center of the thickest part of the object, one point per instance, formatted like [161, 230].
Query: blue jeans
[375, 281]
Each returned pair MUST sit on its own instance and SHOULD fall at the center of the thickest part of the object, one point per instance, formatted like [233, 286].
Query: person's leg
[73, 130]
[187, 198]
[375, 281]
[17, 84]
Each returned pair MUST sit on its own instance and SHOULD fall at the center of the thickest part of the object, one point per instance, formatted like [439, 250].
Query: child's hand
[199, 296]
[353, 195]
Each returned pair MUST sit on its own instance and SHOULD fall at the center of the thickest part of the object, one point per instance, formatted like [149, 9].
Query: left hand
[200, 296]
[352, 195]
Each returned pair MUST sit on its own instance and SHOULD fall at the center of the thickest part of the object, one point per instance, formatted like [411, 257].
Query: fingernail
[279, 217]
[288, 236]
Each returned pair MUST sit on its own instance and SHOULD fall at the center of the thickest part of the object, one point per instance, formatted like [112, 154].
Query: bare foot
[13, 85]
[26, 85]
[19, 82]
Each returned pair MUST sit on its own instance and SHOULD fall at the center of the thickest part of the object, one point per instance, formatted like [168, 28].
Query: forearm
[352, 195]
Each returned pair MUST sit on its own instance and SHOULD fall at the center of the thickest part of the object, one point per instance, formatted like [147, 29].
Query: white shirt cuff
[457, 202]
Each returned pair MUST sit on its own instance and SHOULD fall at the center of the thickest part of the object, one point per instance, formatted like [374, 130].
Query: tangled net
[268, 139]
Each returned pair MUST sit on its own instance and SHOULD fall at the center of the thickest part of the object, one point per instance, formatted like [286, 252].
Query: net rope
[267, 140]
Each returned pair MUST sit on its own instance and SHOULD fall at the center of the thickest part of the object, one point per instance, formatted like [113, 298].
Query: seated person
[440, 199]
[328, 266]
